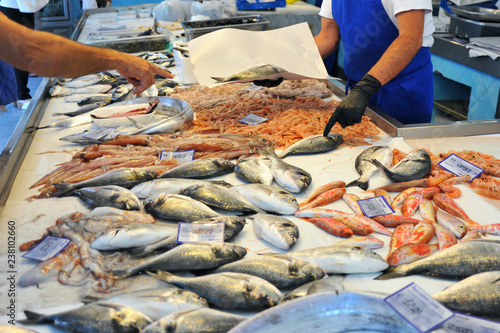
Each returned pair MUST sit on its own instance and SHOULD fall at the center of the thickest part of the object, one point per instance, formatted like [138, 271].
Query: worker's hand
[351, 109]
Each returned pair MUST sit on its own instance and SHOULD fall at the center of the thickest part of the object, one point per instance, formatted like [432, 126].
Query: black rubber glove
[353, 106]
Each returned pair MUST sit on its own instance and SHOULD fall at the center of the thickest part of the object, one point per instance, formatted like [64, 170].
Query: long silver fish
[290, 177]
[197, 320]
[81, 110]
[458, 261]
[82, 139]
[313, 144]
[230, 291]
[108, 195]
[66, 123]
[84, 100]
[283, 272]
[82, 81]
[414, 166]
[252, 73]
[169, 185]
[329, 312]
[177, 207]
[269, 198]
[478, 294]
[254, 170]
[203, 168]
[220, 197]
[58, 91]
[126, 177]
[166, 125]
[366, 168]
[332, 283]
[122, 93]
[277, 230]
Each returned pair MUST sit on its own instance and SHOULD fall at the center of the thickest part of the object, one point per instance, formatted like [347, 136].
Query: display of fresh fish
[313, 144]
[231, 291]
[81, 110]
[277, 230]
[66, 123]
[197, 320]
[202, 168]
[58, 91]
[84, 100]
[329, 312]
[109, 195]
[414, 166]
[365, 167]
[126, 177]
[478, 294]
[283, 272]
[290, 177]
[169, 185]
[254, 170]
[177, 207]
[269, 198]
[459, 261]
[252, 73]
[408, 253]
[220, 197]
[332, 283]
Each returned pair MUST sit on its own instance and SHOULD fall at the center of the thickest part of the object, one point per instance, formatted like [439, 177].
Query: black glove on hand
[353, 106]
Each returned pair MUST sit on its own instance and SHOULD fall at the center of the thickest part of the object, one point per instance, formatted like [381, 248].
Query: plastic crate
[259, 4]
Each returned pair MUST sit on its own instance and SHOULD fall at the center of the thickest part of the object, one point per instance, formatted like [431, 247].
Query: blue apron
[367, 31]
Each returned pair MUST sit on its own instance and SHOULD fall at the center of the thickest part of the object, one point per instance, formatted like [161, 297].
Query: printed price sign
[460, 167]
[181, 156]
[200, 232]
[47, 248]
[461, 323]
[99, 133]
[253, 119]
[418, 308]
[376, 206]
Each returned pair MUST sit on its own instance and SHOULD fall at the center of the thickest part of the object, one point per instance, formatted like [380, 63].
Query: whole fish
[408, 253]
[190, 256]
[203, 168]
[427, 210]
[177, 207]
[365, 167]
[231, 291]
[400, 198]
[322, 189]
[58, 91]
[95, 317]
[398, 187]
[166, 124]
[220, 197]
[109, 195]
[130, 236]
[478, 294]
[422, 233]
[368, 242]
[445, 237]
[122, 93]
[81, 110]
[449, 205]
[326, 198]
[82, 139]
[394, 220]
[492, 229]
[352, 201]
[169, 185]
[283, 272]
[269, 198]
[82, 100]
[254, 170]
[65, 123]
[82, 81]
[277, 230]
[332, 226]
[313, 144]
[459, 261]
[252, 73]
[411, 204]
[126, 177]
[400, 236]
[332, 283]
[290, 177]
[414, 166]
[329, 312]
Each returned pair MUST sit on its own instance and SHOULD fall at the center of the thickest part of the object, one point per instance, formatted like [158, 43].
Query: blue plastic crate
[259, 4]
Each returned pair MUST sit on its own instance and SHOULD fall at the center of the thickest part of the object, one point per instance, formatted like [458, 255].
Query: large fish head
[369, 260]
[420, 155]
[224, 164]
[127, 319]
[229, 251]
[262, 294]
[313, 271]
[154, 201]
[145, 174]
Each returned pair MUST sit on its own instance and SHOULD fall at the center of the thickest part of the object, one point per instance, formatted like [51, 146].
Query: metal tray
[477, 13]
[197, 28]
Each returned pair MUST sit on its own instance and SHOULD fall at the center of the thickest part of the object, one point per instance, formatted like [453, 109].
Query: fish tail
[62, 188]
[362, 185]
[33, 316]
[161, 275]
[218, 79]
[390, 273]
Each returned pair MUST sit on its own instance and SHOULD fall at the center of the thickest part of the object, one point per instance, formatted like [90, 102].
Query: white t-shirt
[9, 4]
[393, 7]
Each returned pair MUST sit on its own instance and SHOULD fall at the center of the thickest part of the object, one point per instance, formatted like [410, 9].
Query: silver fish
[81, 110]
[198, 320]
[169, 185]
[82, 139]
[277, 230]
[254, 170]
[95, 317]
[122, 93]
[331, 283]
[177, 207]
[458, 261]
[414, 166]
[283, 272]
[126, 177]
[230, 291]
[166, 125]
[220, 197]
[58, 91]
[366, 168]
[191, 256]
[478, 294]
[129, 236]
[269, 198]
[290, 177]
[109, 195]
[202, 168]
[81, 101]
[82, 81]
[313, 144]
[452, 223]
[252, 73]
[329, 312]
[66, 123]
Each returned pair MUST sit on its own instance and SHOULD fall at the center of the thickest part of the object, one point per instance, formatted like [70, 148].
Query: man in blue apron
[387, 59]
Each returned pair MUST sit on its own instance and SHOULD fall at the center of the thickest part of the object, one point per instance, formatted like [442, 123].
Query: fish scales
[177, 207]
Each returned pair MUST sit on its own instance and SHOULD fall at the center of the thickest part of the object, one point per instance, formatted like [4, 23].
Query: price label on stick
[47, 248]
[460, 167]
[468, 324]
[100, 132]
[200, 232]
[181, 156]
[376, 206]
[253, 119]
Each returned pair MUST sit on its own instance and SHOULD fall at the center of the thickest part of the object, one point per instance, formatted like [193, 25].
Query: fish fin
[390, 273]
[358, 183]
[62, 188]
[161, 275]
[218, 79]
[33, 316]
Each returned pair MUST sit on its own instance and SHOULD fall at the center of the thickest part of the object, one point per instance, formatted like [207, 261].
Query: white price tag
[47, 248]
[253, 119]
[461, 323]
[460, 167]
[376, 206]
[419, 308]
[100, 132]
[200, 232]
[181, 156]
[254, 87]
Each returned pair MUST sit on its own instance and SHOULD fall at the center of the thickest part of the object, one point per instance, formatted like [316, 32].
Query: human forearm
[328, 38]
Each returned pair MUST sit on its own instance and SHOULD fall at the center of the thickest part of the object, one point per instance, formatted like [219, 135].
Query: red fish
[411, 252]
[394, 220]
[332, 226]
[445, 237]
[422, 233]
[400, 236]
[326, 198]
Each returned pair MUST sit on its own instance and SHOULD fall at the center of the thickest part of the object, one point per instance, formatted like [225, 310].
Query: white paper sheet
[227, 51]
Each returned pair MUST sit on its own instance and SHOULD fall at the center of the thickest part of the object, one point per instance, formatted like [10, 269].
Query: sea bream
[313, 144]
[332, 283]
[202, 168]
[108, 195]
[254, 170]
[365, 167]
[277, 230]
[252, 73]
[269, 198]
[414, 166]
[177, 207]
[169, 185]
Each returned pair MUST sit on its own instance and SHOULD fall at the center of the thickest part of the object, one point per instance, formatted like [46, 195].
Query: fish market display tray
[197, 28]
[477, 13]
[125, 41]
